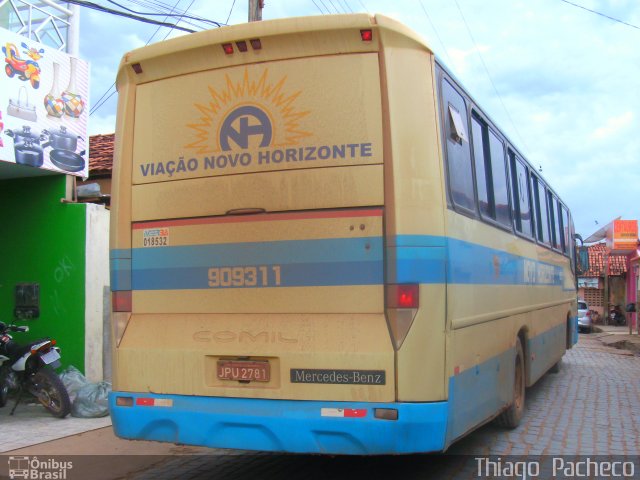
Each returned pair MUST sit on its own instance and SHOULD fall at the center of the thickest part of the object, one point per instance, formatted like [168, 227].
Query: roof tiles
[101, 154]
[617, 263]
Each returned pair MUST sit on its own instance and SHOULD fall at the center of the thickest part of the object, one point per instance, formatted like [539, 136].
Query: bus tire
[511, 417]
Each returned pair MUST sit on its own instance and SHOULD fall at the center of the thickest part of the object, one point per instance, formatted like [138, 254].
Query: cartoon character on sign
[26, 69]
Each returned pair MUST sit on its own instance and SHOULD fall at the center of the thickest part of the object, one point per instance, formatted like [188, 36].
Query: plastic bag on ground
[73, 381]
[92, 401]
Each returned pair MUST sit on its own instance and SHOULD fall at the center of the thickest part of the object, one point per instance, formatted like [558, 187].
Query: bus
[320, 243]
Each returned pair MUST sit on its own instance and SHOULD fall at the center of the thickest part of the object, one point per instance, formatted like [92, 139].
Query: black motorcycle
[30, 368]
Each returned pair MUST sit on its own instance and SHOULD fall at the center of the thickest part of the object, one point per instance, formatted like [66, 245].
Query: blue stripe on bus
[330, 262]
[120, 269]
[330, 250]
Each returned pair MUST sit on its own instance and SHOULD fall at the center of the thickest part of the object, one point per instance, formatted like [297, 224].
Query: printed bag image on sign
[21, 108]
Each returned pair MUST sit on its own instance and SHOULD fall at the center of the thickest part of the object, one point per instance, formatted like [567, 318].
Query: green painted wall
[43, 241]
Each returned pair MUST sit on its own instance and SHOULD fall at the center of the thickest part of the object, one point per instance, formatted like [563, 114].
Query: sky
[561, 82]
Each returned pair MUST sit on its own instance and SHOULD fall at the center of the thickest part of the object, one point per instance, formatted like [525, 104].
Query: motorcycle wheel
[51, 392]
[4, 390]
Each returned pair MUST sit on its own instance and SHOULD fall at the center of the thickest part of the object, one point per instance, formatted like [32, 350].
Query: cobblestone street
[589, 408]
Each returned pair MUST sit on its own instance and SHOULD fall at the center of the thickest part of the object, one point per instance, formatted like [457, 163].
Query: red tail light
[366, 35]
[403, 296]
[228, 48]
[403, 301]
[121, 301]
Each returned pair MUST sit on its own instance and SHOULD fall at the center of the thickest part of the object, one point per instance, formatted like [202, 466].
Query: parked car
[585, 322]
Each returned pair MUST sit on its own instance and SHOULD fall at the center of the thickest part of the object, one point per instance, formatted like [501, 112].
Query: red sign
[623, 236]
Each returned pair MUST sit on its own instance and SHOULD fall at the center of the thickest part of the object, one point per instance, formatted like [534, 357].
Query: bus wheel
[511, 417]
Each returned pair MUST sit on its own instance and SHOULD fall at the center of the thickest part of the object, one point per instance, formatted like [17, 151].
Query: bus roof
[205, 51]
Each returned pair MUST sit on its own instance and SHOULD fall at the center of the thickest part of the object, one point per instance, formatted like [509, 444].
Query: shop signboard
[588, 282]
[43, 106]
[622, 237]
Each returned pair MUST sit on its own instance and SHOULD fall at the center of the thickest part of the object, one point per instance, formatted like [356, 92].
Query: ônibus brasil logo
[252, 112]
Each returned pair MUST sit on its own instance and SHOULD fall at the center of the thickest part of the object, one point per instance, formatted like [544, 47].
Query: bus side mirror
[582, 256]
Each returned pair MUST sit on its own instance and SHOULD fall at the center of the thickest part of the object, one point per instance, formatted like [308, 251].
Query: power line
[347, 5]
[602, 14]
[231, 11]
[101, 102]
[324, 6]
[182, 15]
[437, 34]
[321, 11]
[362, 4]
[334, 7]
[489, 75]
[100, 8]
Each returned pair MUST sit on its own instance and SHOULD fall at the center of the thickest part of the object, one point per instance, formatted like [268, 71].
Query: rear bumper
[280, 425]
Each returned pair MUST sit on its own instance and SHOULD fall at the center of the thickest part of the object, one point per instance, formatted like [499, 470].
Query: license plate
[244, 370]
[50, 357]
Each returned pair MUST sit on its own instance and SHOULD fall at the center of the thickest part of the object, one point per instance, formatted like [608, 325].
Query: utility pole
[255, 10]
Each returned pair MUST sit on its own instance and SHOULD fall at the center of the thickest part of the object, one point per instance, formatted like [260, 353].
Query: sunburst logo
[248, 114]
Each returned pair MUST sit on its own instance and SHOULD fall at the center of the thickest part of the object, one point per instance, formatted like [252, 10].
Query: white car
[585, 323]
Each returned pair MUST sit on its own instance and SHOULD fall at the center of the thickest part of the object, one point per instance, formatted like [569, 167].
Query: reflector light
[121, 301]
[256, 44]
[124, 401]
[228, 48]
[385, 413]
[366, 35]
[242, 46]
[137, 68]
[154, 402]
[344, 412]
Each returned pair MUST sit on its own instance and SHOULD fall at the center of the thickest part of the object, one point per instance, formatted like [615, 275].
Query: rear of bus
[276, 285]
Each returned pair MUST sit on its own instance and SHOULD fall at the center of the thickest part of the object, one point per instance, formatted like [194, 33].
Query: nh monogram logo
[249, 121]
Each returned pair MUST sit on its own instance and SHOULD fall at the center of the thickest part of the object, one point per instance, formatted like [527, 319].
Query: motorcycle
[616, 317]
[30, 368]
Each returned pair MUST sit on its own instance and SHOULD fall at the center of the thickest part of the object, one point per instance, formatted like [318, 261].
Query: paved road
[592, 407]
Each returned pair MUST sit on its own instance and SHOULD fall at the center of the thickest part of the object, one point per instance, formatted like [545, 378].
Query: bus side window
[491, 177]
[459, 169]
[541, 213]
[567, 245]
[554, 220]
[520, 195]
[499, 178]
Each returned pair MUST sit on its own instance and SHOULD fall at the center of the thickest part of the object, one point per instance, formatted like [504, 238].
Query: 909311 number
[252, 276]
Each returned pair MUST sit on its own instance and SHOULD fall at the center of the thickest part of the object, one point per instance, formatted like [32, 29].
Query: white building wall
[97, 283]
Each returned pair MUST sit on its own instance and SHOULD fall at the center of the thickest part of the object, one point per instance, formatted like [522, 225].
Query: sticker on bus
[155, 237]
